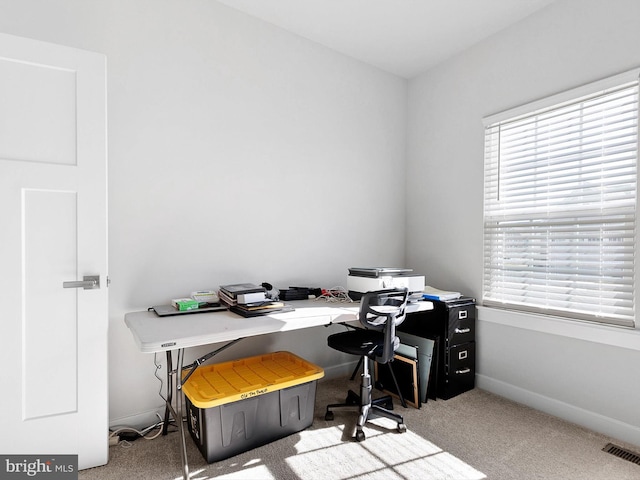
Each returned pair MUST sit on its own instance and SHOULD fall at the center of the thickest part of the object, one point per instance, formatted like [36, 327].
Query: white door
[53, 209]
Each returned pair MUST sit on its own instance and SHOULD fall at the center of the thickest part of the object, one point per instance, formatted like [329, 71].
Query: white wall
[585, 374]
[237, 152]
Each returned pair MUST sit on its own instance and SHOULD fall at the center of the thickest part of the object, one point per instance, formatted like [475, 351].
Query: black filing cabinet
[452, 325]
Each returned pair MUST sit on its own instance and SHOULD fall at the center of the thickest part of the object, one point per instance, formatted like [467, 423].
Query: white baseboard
[138, 421]
[593, 421]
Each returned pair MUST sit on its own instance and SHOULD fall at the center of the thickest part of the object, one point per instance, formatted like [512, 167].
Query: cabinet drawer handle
[462, 330]
[463, 371]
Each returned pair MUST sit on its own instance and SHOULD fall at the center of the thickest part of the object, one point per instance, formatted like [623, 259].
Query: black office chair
[380, 312]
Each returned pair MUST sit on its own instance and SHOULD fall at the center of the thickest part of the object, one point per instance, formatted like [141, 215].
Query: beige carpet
[476, 435]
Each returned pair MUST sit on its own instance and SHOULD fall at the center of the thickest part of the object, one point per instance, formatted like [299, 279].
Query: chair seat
[358, 342]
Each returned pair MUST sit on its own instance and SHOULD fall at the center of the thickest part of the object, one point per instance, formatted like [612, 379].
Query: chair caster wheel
[359, 435]
[328, 416]
[402, 428]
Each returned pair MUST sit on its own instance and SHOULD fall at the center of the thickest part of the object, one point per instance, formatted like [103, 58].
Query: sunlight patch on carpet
[324, 453]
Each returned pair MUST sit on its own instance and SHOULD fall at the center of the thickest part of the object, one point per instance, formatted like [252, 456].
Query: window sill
[603, 334]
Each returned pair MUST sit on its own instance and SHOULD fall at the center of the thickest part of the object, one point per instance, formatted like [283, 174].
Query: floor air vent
[622, 453]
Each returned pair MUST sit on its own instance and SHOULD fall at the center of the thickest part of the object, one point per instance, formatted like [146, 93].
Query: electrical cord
[335, 294]
[158, 366]
[144, 433]
[141, 433]
[155, 373]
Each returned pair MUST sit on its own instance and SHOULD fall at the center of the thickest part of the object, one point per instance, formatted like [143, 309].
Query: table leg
[179, 398]
[177, 413]
[169, 395]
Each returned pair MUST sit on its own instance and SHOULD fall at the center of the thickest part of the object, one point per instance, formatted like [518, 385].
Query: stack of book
[249, 300]
[431, 293]
[241, 293]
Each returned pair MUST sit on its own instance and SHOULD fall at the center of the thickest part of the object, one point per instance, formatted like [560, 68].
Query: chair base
[380, 407]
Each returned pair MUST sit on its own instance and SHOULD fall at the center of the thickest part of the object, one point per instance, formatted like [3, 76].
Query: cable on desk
[335, 294]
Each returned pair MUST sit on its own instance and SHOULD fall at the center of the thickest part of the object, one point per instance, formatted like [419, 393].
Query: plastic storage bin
[235, 406]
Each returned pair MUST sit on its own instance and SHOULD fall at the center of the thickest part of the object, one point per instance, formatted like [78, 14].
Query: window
[560, 204]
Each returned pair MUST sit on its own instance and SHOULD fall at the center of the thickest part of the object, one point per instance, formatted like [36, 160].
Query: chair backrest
[382, 310]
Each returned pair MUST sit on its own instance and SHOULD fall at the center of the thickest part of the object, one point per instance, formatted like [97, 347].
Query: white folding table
[154, 334]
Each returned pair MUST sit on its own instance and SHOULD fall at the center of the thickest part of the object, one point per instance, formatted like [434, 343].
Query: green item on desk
[183, 304]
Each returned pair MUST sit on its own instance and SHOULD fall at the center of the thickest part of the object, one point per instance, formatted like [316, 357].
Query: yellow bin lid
[220, 383]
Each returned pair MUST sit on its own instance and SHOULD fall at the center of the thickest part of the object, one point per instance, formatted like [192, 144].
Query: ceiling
[404, 37]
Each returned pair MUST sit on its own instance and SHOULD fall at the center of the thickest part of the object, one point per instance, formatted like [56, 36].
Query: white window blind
[560, 207]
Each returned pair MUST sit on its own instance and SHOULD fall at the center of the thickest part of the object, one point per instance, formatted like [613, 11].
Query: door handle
[88, 282]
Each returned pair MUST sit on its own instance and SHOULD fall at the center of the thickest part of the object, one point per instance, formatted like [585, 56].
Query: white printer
[362, 280]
